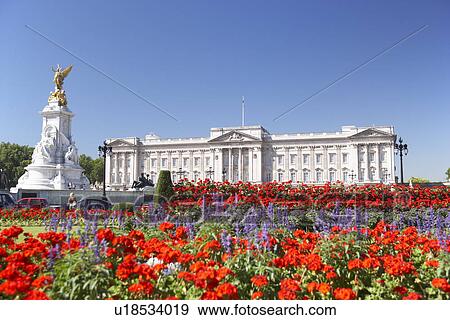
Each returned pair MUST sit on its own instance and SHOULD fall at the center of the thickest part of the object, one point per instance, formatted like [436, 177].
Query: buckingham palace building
[251, 153]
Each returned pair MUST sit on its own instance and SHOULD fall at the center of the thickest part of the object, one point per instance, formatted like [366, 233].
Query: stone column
[258, 165]
[287, 173]
[339, 175]
[108, 170]
[250, 164]
[117, 167]
[312, 165]
[191, 164]
[202, 164]
[136, 161]
[367, 163]
[230, 164]
[240, 164]
[325, 164]
[299, 164]
[379, 174]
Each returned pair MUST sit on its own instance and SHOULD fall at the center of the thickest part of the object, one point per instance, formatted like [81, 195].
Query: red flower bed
[377, 196]
[378, 263]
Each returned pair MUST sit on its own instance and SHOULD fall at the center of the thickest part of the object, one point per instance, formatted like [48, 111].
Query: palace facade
[251, 153]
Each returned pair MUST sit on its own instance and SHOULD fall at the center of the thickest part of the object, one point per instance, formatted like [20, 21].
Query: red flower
[257, 295]
[285, 294]
[259, 281]
[412, 296]
[344, 294]
[36, 295]
[166, 226]
[227, 291]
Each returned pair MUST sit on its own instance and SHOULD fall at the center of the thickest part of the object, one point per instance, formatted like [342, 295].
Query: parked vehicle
[94, 203]
[32, 203]
[142, 202]
[6, 200]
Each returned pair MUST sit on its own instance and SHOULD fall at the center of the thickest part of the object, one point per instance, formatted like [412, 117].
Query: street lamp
[103, 151]
[181, 173]
[401, 148]
[352, 175]
[209, 173]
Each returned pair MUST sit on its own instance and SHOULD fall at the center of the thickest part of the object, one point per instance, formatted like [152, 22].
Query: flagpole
[243, 111]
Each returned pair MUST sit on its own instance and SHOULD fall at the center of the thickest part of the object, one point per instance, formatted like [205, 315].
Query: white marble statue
[45, 149]
[71, 156]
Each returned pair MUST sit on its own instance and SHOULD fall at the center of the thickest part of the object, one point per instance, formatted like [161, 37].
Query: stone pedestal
[55, 157]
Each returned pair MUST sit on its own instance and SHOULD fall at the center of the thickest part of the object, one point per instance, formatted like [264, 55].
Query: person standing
[72, 201]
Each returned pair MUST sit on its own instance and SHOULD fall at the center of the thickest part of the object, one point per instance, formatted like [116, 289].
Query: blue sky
[196, 59]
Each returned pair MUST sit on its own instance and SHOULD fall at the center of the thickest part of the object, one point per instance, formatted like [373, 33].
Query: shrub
[164, 188]
[123, 206]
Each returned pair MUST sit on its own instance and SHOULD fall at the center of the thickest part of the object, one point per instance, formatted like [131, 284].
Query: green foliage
[93, 168]
[13, 160]
[418, 180]
[80, 277]
[123, 206]
[448, 173]
[164, 187]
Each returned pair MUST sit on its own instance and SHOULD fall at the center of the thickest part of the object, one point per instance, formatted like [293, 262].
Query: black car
[142, 202]
[6, 200]
[94, 203]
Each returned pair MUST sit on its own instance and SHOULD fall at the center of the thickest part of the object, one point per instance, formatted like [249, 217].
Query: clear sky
[196, 59]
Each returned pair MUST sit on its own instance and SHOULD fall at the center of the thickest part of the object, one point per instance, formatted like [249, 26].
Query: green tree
[418, 180]
[93, 168]
[448, 173]
[13, 160]
[164, 187]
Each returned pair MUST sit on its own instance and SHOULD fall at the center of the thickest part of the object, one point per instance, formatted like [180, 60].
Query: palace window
[293, 158]
[153, 162]
[119, 180]
[372, 174]
[332, 157]
[383, 156]
[113, 178]
[305, 176]
[361, 174]
[318, 158]
[196, 161]
[280, 176]
[174, 162]
[332, 175]
[280, 160]
[207, 161]
[345, 176]
[306, 159]
[185, 162]
[345, 158]
[164, 162]
[372, 156]
[319, 176]
[293, 176]
[120, 163]
[128, 163]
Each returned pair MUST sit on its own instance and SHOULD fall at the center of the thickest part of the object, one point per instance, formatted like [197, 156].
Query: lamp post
[209, 173]
[401, 148]
[181, 173]
[224, 173]
[103, 151]
[352, 175]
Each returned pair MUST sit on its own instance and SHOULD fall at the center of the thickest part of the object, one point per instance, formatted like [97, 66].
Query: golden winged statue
[59, 94]
[60, 75]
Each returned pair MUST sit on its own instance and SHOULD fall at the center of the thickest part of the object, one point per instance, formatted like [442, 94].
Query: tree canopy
[13, 160]
[93, 168]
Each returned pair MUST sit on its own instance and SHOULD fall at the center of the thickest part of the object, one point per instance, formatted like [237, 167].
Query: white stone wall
[331, 156]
